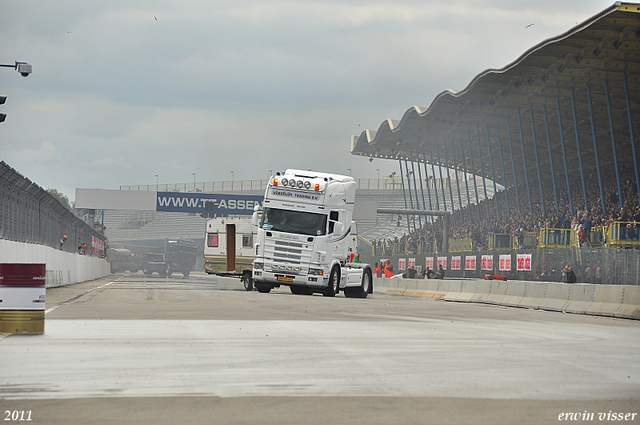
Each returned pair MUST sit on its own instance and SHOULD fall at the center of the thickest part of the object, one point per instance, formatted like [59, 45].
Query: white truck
[306, 239]
[228, 249]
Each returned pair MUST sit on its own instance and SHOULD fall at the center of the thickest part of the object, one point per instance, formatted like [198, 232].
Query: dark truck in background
[179, 256]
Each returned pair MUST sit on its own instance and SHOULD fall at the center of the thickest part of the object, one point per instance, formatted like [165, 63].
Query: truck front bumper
[290, 279]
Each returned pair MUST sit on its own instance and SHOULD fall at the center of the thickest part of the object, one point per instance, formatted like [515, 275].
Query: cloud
[245, 85]
[47, 153]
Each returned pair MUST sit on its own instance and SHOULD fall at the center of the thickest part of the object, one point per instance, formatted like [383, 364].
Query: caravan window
[247, 241]
[212, 240]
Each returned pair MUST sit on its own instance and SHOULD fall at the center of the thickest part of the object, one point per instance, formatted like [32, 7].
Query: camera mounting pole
[22, 67]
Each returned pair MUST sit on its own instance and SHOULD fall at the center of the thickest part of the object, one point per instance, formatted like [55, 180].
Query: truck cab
[305, 236]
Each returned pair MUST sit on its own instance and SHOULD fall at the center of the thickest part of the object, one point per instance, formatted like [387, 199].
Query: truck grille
[287, 252]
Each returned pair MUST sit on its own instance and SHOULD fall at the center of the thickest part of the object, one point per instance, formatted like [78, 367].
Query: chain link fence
[29, 214]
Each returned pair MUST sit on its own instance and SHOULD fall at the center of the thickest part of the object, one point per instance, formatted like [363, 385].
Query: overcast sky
[124, 90]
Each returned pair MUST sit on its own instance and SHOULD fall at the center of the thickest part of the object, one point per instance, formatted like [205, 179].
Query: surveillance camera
[24, 69]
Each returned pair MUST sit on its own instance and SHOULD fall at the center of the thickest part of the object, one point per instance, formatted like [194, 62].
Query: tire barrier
[621, 301]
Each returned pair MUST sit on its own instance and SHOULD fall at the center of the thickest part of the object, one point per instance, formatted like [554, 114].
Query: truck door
[231, 247]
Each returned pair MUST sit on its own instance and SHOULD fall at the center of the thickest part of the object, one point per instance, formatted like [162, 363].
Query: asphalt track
[131, 349]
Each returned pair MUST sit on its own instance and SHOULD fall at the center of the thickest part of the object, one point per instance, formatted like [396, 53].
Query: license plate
[285, 278]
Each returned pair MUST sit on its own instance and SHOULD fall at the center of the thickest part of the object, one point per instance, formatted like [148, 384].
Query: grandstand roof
[545, 82]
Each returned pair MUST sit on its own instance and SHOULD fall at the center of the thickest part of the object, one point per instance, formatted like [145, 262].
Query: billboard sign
[207, 203]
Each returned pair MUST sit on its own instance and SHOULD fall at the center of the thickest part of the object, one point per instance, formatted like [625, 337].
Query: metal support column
[424, 203]
[415, 186]
[575, 126]
[564, 156]
[504, 175]
[535, 149]
[455, 164]
[404, 193]
[426, 174]
[613, 141]
[633, 140]
[524, 161]
[493, 174]
[595, 149]
[473, 171]
[435, 186]
[466, 180]
[553, 174]
[484, 180]
[513, 167]
[444, 199]
[446, 160]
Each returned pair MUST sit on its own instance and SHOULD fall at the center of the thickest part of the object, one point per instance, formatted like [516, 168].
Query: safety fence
[28, 213]
[590, 264]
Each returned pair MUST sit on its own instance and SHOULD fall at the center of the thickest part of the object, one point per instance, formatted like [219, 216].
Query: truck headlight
[316, 272]
[258, 266]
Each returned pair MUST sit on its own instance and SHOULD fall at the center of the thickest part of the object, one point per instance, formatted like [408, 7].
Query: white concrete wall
[63, 268]
[603, 300]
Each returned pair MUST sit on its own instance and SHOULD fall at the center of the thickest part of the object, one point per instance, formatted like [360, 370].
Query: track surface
[135, 349]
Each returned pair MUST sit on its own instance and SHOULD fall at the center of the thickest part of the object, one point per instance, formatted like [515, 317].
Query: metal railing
[29, 214]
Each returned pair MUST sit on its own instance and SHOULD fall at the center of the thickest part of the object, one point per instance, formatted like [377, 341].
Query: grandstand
[555, 127]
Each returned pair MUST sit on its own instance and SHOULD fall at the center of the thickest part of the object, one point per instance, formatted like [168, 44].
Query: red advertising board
[442, 261]
[505, 262]
[470, 262]
[23, 275]
[455, 263]
[523, 262]
[486, 262]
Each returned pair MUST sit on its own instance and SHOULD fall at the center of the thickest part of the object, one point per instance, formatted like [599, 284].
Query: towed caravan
[228, 249]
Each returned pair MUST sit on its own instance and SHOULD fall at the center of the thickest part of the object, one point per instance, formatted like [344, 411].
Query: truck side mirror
[255, 217]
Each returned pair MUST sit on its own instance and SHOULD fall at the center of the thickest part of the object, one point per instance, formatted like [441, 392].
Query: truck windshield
[303, 223]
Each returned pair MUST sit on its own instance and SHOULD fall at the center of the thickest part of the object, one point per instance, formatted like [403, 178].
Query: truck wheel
[297, 290]
[365, 285]
[146, 270]
[334, 284]
[186, 273]
[263, 288]
[247, 280]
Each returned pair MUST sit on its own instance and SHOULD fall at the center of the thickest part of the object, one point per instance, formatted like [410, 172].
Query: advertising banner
[486, 262]
[429, 263]
[470, 262]
[402, 263]
[442, 261]
[455, 263]
[523, 262]
[505, 263]
[212, 203]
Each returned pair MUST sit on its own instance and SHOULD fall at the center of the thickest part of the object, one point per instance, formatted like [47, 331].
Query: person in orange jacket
[377, 270]
[388, 270]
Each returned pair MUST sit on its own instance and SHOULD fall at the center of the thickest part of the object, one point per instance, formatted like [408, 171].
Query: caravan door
[231, 247]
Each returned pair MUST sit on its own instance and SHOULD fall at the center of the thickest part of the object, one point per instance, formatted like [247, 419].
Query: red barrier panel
[23, 275]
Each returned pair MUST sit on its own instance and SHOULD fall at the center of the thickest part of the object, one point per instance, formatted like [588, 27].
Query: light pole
[349, 170]
[194, 181]
[157, 186]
